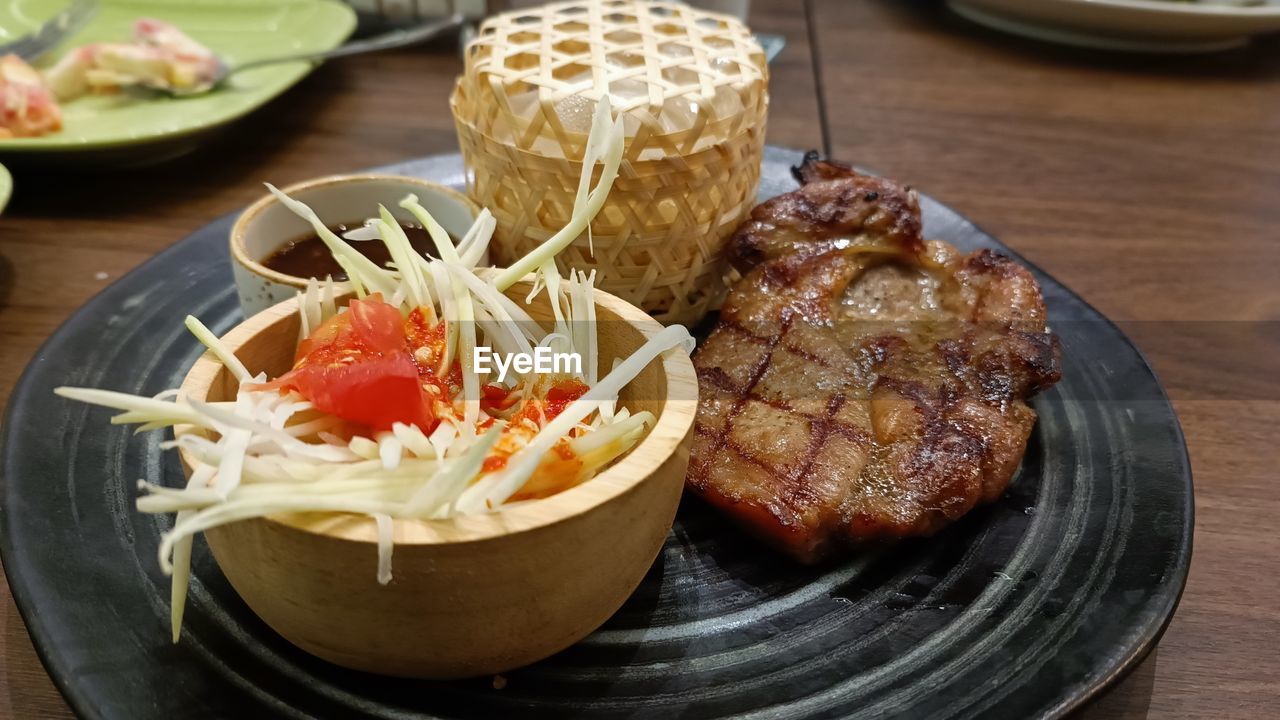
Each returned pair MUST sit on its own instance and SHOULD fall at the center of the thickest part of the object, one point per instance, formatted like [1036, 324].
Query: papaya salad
[383, 412]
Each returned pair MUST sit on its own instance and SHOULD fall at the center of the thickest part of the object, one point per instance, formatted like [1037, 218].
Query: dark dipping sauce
[308, 257]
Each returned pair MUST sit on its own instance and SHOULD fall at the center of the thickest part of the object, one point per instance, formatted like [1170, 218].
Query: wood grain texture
[1146, 184]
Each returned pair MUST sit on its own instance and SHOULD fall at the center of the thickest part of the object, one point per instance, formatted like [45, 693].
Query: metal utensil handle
[386, 41]
[52, 31]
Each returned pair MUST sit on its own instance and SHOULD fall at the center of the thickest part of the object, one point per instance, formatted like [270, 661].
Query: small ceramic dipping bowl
[266, 225]
[475, 594]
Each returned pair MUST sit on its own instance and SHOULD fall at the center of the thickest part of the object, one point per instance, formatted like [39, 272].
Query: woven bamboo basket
[692, 89]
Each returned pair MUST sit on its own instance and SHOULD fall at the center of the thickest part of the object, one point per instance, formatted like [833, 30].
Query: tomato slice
[377, 324]
[358, 366]
[373, 391]
[322, 337]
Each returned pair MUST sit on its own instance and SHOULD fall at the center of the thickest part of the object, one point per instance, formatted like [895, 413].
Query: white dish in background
[1130, 25]
[266, 225]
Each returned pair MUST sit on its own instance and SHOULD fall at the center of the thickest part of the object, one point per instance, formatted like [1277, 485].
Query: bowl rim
[664, 439]
[240, 254]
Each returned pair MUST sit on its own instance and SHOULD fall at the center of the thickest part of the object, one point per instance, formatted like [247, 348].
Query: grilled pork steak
[863, 383]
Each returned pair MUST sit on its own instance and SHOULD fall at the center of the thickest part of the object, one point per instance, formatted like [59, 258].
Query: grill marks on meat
[863, 383]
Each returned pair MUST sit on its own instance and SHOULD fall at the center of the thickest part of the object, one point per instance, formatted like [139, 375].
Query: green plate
[238, 30]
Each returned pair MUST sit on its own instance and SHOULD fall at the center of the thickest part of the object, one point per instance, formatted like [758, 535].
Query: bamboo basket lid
[683, 79]
[691, 88]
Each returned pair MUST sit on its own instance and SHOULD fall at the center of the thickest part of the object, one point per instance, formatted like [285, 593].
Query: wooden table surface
[1149, 185]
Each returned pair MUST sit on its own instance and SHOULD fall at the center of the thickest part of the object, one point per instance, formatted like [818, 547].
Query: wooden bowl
[471, 595]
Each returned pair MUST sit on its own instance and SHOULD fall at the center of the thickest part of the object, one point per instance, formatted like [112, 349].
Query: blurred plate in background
[1129, 25]
[123, 127]
[6, 187]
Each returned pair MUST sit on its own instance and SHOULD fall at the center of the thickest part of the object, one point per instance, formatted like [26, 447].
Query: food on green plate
[160, 56]
[384, 412]
[29, 109]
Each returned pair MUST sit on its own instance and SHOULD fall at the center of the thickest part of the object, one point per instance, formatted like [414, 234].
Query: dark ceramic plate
[1026, 608]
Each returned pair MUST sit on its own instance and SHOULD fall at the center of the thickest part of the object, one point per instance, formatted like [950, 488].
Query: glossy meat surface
[863, 383]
